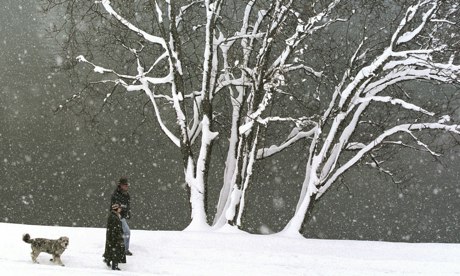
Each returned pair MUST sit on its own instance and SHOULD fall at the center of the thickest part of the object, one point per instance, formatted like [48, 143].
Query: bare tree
[194, 56]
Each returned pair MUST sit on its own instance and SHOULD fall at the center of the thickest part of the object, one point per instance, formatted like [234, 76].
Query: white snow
[228, 252]
[99, 69]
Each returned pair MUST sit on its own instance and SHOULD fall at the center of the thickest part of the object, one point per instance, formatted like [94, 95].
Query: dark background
[56, 169]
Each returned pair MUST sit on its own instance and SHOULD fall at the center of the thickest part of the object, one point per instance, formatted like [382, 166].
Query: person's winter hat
[115, 206]
[123, 180]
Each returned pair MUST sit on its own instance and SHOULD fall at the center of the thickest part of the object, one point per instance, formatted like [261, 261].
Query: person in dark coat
[121, 196]
[114, 245]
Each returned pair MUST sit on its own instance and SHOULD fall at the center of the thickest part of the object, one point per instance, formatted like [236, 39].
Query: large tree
[321, 71]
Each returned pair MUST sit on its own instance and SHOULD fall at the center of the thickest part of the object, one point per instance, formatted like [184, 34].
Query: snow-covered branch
[408, 36]
[102, 70]
[151, 38]
[388, 99]
[408, 128]
[302, 30]
[292, 138]
[308, 69]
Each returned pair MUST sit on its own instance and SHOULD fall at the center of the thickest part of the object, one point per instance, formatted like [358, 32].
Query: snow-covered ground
[224, 253]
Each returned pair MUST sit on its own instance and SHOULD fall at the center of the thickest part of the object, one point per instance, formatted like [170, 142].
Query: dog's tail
[26, 238]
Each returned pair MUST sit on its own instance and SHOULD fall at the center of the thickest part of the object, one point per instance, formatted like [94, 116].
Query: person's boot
[107, 262]
[115, 266]
[128, 253]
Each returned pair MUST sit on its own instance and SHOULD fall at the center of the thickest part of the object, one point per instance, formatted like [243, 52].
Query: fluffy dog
[53, 247]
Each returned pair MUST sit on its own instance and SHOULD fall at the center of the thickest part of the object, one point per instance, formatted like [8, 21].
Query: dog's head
[63, 241]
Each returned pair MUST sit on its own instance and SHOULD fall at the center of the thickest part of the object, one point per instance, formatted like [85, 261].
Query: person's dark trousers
[115, 266]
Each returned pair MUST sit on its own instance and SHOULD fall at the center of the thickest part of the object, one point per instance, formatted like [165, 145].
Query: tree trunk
[231, 162]
[197, 198]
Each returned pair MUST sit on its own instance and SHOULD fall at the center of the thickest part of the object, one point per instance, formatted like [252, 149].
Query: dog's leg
[57, 259]
[34, 255]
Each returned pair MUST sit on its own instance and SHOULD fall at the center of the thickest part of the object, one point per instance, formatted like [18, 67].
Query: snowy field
[219, 253]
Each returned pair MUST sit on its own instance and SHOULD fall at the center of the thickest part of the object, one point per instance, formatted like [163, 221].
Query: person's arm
[113, 199]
